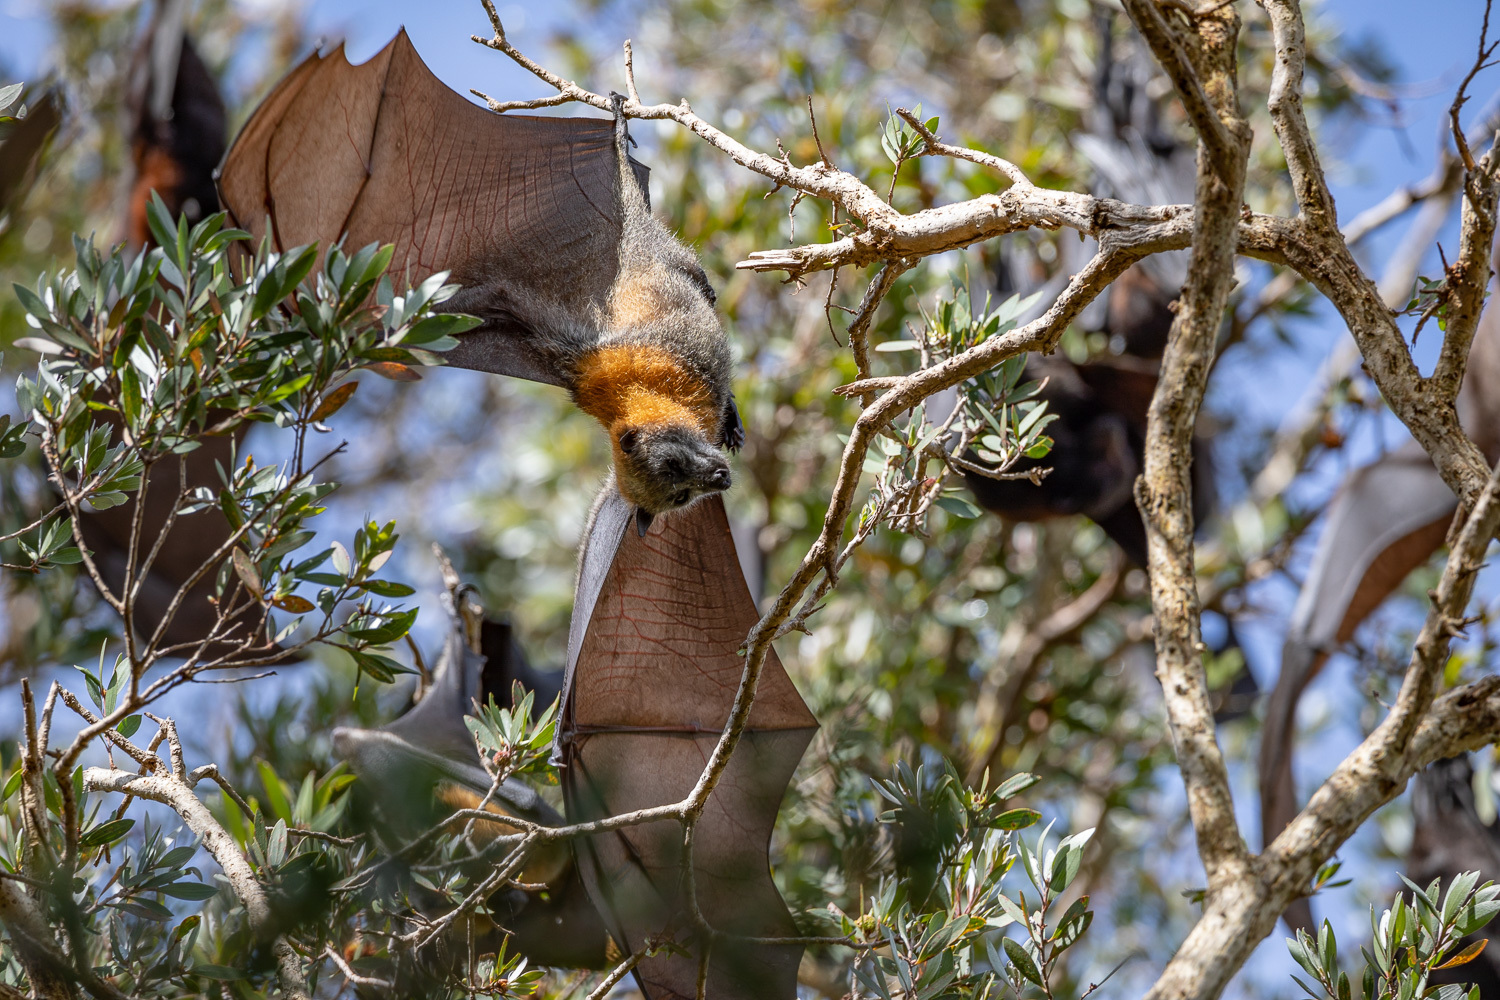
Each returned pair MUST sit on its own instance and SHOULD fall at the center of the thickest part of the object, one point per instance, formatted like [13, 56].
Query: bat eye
[682, 497]
[628, 441]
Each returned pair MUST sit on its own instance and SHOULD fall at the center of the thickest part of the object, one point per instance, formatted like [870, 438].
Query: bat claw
[643, 519]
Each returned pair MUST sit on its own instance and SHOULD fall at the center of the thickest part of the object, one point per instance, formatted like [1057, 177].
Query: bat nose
[720, 479]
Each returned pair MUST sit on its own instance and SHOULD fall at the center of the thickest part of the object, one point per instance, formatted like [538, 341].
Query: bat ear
[643, 519]
[628, 440]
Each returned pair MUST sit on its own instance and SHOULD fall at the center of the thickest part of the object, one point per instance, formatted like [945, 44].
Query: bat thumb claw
[643, 519]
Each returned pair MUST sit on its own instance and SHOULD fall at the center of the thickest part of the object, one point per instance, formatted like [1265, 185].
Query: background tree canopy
[1021, 646]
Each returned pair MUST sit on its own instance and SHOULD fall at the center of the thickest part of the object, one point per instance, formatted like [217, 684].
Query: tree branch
[1290, 121]
[171, 791]
[1164, 492]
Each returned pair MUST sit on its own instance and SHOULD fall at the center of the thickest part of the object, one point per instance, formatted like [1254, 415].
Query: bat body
[424, 765]
[178, 124]
[545, 224]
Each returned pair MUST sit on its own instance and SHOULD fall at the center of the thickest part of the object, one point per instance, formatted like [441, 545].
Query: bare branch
[934, 147]
[1288, 118]
[1164, 491]
[630, 74]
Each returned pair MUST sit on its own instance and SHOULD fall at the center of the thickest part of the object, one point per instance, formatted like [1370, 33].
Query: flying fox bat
[1101, 404]
[545, 224]
[424, 765]
[178, 124]
[22, 143]
[653, 667]
[177, 133]
[1387, 519]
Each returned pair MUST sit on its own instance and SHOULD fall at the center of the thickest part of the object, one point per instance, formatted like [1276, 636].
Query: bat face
[663, 468]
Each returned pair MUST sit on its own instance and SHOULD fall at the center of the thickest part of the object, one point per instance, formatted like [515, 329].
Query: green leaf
[1023, 962]
[1015, 785]
[106, 833]
[150, 909]
[189, 890]
[276, 791]
[1458, 894]
[386, 588]
[176, 857]
[959, 507]
[128, 726]
[221, 972]
[1016, 819]
[1302, 953]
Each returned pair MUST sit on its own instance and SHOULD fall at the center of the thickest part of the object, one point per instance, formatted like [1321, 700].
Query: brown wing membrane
[522, 210]
[1388, 519]
[423, 765]
[652, 673]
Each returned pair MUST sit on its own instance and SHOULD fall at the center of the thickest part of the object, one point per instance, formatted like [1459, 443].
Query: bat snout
[719, 479]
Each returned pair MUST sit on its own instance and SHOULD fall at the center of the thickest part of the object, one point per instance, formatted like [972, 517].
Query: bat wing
[425, 765]
[1388, 518]
[1479, 402]
[524, 211]
[652, 672]
[22, 145]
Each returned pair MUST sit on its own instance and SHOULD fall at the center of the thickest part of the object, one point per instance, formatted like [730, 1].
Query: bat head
[662, 467]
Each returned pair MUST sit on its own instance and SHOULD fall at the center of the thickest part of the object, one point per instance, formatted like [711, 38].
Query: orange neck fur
[643, 386]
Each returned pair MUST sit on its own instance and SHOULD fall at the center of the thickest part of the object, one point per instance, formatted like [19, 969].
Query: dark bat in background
[545, 224]
[653, 667]
[1387, 519]
[1101, 404]
[424, 765]
[1099, 437]
[23, 143]
[177, 130]
[178, 126]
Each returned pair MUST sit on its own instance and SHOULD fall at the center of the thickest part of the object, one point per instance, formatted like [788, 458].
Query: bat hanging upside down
[543, 221]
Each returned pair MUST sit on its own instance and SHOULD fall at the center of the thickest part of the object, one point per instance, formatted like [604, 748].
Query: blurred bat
[178, 124]
[23, 142]
[653, 666]
[1387, 519]
[425, 765]
[1099, 437]
[1449, 838]
[178, 128]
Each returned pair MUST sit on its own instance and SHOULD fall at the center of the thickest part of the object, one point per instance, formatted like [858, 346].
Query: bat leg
[734, 428]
